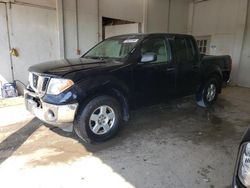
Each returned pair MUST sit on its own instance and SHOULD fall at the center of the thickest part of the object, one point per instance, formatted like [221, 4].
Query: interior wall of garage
[224, 22]
[80, 26]
[178, 16]
[167, 16]
[72, 27]
[130, 10]
[30, 27]
[5, 70]
[157, 16]
[244, 67]
[83, 21]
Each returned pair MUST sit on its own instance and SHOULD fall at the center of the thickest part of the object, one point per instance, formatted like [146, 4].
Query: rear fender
[213, 71]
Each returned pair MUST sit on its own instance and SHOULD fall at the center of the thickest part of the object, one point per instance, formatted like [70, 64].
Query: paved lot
[171, 145]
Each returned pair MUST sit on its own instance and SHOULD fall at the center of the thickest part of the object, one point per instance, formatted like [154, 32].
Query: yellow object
[14, 52]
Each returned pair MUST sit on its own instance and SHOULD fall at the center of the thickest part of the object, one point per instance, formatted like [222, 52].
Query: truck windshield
[116, 48]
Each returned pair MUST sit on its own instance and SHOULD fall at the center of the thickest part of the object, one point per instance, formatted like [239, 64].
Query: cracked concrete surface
[167, 145]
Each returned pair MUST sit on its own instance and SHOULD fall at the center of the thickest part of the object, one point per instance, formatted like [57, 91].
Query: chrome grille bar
[38, 83]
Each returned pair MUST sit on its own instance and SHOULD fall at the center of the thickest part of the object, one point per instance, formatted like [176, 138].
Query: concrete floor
[171, 145]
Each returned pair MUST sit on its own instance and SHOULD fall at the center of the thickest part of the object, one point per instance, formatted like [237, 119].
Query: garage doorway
[112, 27]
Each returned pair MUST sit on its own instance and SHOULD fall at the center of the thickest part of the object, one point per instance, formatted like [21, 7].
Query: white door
[33, 33]
[5, 63]
[114, 30]
[222, 44]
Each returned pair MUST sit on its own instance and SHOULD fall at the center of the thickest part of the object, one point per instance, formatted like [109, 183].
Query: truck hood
[66, 66]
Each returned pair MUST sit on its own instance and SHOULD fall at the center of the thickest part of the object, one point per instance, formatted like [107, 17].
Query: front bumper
[61, 116]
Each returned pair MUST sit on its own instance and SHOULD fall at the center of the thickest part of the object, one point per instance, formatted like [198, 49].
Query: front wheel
[99, 120]
[208, 93]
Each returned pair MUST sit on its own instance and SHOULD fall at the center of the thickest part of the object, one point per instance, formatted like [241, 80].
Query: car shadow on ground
[9, 145]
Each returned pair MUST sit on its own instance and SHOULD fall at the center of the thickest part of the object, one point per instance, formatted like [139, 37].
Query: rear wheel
[208, 93]
[99, 120]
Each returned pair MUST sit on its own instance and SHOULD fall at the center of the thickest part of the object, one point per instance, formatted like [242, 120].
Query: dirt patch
[11, 101]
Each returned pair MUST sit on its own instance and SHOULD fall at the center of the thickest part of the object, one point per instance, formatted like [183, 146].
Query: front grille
[38, 82]
[45, 83]
[35, 80]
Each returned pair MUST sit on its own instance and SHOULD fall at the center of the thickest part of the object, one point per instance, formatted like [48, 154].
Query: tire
[208, 93]
[99, 120]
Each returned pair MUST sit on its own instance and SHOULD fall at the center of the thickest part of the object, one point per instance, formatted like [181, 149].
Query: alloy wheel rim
[211, 92]
[102, 120]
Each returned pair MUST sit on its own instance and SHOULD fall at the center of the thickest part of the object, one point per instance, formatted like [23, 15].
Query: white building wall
[69, 26]
[157, 16]
[179, 11]
[88, 24]
[90, 13]
[224, 22]
[46, 3]
[32, 32]
[86, 16]
[5, 65]
[244, 68]
[114, 30]
[130, 10]
[34, 35]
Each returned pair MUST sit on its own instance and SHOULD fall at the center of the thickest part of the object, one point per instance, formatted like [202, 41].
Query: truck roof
[154, 34]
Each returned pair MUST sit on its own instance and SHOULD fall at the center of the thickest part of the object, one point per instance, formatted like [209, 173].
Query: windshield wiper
[94, 57]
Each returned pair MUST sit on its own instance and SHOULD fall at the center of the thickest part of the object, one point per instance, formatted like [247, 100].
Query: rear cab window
[184, 49]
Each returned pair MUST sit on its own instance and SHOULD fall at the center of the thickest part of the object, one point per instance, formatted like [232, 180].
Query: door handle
[170, 69]
[196, 66]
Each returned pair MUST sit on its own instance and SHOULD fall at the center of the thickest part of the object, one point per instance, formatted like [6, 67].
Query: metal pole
[9, 40]
[60, 18]
[78, 52]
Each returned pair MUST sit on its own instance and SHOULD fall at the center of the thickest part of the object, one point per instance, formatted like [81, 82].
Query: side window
[180, 49]
[157, 46]
[184, 49]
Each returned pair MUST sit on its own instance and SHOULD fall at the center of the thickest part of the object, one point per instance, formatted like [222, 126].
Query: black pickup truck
[93, 94]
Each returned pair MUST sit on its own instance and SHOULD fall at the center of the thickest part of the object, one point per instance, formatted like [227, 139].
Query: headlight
[57, 86]
[244, 165]
[30, 78]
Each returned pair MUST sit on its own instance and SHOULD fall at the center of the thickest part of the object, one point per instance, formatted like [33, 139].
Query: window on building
[203, 44]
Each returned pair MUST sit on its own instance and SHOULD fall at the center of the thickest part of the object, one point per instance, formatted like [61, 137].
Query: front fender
[104, 85]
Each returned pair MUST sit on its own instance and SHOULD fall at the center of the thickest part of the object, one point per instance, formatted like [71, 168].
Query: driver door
[154, 80]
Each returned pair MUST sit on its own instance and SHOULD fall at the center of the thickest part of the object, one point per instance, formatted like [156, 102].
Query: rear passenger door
[187, 61]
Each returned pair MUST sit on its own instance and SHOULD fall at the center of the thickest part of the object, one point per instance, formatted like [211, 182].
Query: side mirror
[148, 57]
